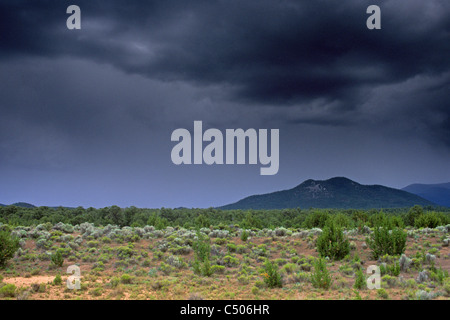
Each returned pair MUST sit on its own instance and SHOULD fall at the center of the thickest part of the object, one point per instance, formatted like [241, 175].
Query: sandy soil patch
[26, 282]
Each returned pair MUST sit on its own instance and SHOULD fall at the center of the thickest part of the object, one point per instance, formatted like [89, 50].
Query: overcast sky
[87, 115]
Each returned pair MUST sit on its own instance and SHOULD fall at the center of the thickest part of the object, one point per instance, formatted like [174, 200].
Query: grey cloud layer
[272, 51]
[72, 98]
[269, 52]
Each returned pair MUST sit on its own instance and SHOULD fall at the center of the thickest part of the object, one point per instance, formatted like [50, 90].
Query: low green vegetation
[332, 243]
[387, 238]
[320, 277]
[271, 275]
[201, 218]
[246, 255]
[57, 259]
[8, 246]
[202, 252]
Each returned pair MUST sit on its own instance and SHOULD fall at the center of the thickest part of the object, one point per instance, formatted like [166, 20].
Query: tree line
[416, 216]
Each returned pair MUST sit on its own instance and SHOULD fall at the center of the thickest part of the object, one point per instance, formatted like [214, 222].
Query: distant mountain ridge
[29, 205]
[24, 205]
[20, 204]
[338, 192]
[438, 193]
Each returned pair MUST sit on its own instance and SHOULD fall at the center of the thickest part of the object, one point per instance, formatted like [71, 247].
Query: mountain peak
[334, 180]
[337, 192]
[20, 204]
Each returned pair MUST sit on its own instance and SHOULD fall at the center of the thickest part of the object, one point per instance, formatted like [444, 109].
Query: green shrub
[382, 293]
[217, 269]
[8, 246]
[8, 291]
[383, 269]
[320, 277]
[280, 261]
[125, 252]
[126, 279]
[166, 269]
[38, 287]
[106, 240]
[271, 276]
[317, 219]
[413, 213]
[332, 243]
[176, 262]
[158, 255]
[241, 248]
[57, 281]
[35, 272]
[342, 220]
[386, 239]
[244, 235]
[305, 267]
[255, 290]
[97, 292]
[57, 259]
[428, 220]
[439, 275]
[289, 268]
[394, 269]
[205, 268]
[360, 281]
[346, 270]
[231, 247]
[447, 286]
[357, 295]
[202, 252]
[220, 241]
[230, 261]
[114, 282]
[389, 281]
[92, 244]
[243, 279]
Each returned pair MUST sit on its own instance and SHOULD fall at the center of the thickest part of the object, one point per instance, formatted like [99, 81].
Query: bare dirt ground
[26, 282]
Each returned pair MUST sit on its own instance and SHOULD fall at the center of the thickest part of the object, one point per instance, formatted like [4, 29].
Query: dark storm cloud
[418, 107]
[278, 53]
[276, 50]
[86, 115]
